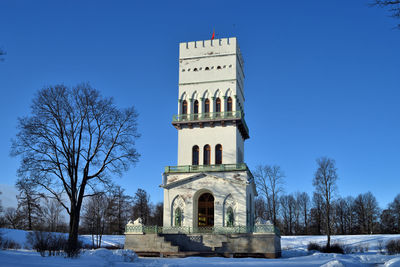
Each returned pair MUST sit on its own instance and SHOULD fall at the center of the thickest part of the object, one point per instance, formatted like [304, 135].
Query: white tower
[211, 185]
[211, 97]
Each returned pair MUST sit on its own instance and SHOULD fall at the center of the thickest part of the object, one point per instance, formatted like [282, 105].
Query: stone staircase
[150, 245]
[204, 244]
[199, 243]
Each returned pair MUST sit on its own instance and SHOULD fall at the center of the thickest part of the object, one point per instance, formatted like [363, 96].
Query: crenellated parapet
[216, 47]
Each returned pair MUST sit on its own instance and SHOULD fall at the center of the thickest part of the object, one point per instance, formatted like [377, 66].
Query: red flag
[213, 35]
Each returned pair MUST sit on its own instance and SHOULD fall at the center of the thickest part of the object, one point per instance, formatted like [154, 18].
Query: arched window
[206, 210]
[218, 154]
[195, 155]
[207, 155]
[184, 107]
[218, 105]
[229, 104]
[178, 217]
[196, 107]
[207, 68]
[207, 106]
[195, 69]
[230, 217]
[219, 67]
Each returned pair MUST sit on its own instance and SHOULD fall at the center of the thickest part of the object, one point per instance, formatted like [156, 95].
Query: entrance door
[206, 210]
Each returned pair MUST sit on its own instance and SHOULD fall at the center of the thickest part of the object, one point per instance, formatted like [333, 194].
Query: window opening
[229, 104]
[230, 218]
[195, 155]
[178, 217]
[207, 155]
[218, 154]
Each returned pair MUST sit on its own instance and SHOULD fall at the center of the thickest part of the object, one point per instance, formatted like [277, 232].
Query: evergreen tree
[141, 206]
[118, 211]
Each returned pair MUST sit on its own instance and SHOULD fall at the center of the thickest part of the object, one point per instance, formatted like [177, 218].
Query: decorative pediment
[198, 176]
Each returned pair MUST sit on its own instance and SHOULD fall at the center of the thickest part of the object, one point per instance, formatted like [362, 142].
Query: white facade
[211, 135]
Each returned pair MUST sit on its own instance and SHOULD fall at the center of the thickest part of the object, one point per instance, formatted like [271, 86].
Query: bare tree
[298, 226]
[394, 207]
[373, 211]
[269, 180]
[341, 214]
[393, 5]
[94, 217]
[350, 217]
[52, 215]
[316, 214]
[325, 184]
[288, 204]
[261, 208]
[72, 142]
[388, 222]
[367, 211]
[13, 218]
[29, 205]
[303, 201]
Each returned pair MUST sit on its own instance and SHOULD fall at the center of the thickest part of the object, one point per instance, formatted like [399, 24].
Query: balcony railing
[208, 116]
[265, 229]
[211, 116]
[206, 168]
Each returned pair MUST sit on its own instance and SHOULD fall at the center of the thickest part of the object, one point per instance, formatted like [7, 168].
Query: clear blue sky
[322, 79]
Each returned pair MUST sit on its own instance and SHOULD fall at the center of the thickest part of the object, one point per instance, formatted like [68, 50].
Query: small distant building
[209, 195]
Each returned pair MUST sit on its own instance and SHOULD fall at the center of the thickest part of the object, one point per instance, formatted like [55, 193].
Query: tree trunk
[305, 222]
[29, 215]
[92, 239]
[73, 246]
[328, 226]
[274, 208]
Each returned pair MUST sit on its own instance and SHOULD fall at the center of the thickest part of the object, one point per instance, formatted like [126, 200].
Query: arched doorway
[206, 210]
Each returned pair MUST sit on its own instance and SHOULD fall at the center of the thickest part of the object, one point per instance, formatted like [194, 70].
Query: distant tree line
[106, 212]
[302, 214]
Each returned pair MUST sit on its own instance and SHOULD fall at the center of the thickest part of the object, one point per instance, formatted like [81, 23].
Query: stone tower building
[211, 185]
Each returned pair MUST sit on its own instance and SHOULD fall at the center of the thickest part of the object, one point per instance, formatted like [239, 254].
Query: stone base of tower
[208, 196]
[264, 245]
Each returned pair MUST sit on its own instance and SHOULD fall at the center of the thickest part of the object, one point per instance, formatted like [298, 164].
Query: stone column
[201, 105]
[179, 106]
[224, 104]
[190, 106]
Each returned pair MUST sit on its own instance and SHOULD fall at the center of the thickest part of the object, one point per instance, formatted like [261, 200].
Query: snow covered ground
[294, 253]
[19, 236]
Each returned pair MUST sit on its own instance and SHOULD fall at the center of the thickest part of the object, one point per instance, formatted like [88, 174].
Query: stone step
[149, 243]
[193, 242]
[166, 246]
[214, 241]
